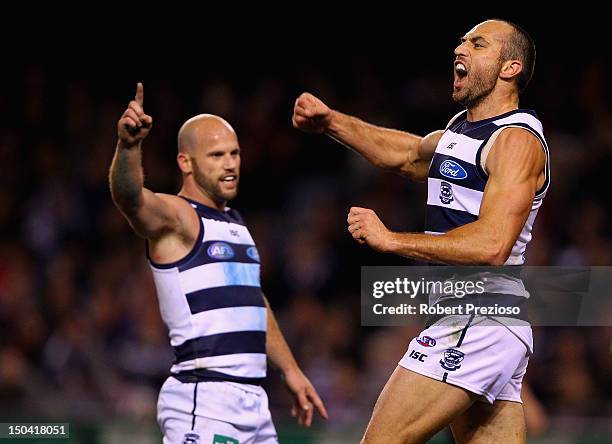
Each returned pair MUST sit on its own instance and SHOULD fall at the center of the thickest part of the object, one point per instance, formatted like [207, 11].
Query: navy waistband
[202, 375]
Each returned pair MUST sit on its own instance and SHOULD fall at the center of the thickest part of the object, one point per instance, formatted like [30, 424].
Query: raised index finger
[139, 98]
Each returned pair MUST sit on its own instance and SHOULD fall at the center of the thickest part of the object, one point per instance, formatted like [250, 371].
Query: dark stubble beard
[210, 186]
[481, 87]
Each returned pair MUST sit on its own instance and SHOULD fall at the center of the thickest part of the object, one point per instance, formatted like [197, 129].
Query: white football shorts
[214, 412]
[477, 354]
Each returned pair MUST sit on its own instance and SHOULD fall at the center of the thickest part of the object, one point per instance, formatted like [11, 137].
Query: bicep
[417, 166]
[515, 164]
[505, 209]
[157, 214]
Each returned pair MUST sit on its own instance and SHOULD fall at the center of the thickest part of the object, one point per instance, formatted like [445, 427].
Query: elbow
[389, 159]
[122, 200]
[498, 261]
[387, 164]
[125, 196]
[127, 204]
[496, 255]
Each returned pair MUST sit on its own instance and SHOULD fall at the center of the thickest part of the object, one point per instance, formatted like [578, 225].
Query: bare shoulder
[173, 200]
[517, 146]
[429, 143]
[516, 135]
[183, 212]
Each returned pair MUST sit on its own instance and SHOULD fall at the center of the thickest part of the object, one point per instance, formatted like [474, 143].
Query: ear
[184, 163]
[510, 69]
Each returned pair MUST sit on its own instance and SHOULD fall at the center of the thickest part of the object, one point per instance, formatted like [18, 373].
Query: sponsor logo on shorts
[452, 359]
[426, 341]
[417, 356]
[446, 192]
[191, 438]
[220, 439]
[220, 250]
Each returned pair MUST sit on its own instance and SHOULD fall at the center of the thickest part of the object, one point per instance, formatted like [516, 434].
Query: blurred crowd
[80, 331]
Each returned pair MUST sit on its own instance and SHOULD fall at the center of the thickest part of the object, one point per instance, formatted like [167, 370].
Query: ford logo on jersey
[220, 250]
[426, 341]
[452, 170]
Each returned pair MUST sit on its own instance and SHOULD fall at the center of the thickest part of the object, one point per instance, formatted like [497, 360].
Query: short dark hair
[520, 46]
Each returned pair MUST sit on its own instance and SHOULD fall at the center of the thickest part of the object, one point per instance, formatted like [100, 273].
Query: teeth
[460, 67]
[229, 178]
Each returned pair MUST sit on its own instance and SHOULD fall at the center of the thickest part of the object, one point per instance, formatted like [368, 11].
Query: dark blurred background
[81, 339]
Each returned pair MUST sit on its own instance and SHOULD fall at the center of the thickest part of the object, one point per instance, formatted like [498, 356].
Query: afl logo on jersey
[220, 250]
[446, 193]
[452, 170]
[426, 341]
[253, 253]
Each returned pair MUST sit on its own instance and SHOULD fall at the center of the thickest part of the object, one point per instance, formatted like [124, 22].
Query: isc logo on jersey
[220, 250]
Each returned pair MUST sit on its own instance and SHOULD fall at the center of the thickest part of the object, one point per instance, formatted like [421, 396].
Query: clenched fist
[366, 228]
[310, 114]
[134, 124]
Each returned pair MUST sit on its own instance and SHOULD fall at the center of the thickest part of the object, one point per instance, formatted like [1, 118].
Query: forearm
[277, 349]
[466, 245]
[126, 177]
[383, 147]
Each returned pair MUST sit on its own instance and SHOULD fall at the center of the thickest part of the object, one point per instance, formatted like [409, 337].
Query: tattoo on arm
[126, 178]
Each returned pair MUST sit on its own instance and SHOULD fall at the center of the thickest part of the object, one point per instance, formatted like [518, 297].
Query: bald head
[209, 159]
[204, 130]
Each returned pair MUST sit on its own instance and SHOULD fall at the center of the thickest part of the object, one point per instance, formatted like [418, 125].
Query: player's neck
[195, 193]
[493, 105]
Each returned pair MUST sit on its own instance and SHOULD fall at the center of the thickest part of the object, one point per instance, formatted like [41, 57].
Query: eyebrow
[221, 151]
[474, 39]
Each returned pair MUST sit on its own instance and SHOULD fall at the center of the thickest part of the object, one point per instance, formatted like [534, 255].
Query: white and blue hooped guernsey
[486, 355]
[212, 303]
[457, 174]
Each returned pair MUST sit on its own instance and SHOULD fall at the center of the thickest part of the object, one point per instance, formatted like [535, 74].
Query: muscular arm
[149, 214]
[390, 149]
[126, 177]
[386, 148]
[515, 164]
